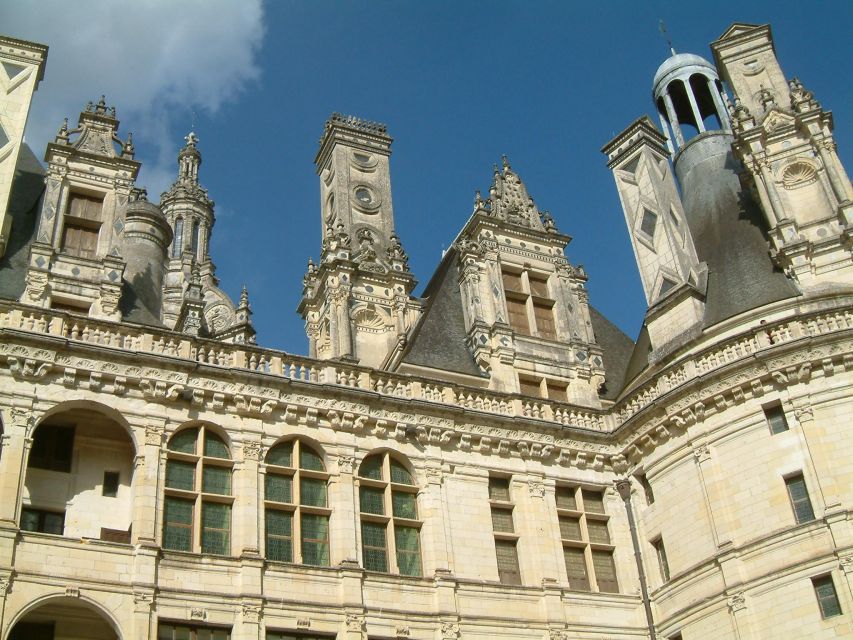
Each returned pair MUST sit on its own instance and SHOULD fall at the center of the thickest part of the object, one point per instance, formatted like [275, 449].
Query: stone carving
[556, 634]
[356, 622]
[345, 464]
[701, 452]
[28, 368]
[197, 613]
[37, 286]
[252, 450]
[846, 564]
[251, 613]
[402, 632]
[536, 488]
[303, 623]
[153, 435]
[5, 582]
[737, 601]
[72, 592]
[450, 630]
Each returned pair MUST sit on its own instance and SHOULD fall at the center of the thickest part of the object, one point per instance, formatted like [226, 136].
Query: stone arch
[216, 428]
[312, 443]
[51, 605]
[91, 405]
[396, 455]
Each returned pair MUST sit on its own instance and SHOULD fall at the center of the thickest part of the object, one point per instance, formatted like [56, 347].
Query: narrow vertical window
[178, 242]
[776, 418]
[110, 484]
[296, 505]
[390, 528]
[197, 506]
[506, 540]
[799, 496]
[663, 563]
[194, 239]
[827, 596]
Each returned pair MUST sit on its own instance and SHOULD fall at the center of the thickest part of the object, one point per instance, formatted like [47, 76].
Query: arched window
[194, 239]
[296, 512]
[390, 529]
[178, 242]
[197, 509]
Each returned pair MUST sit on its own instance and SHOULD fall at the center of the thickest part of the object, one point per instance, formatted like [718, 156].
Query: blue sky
[457, 83]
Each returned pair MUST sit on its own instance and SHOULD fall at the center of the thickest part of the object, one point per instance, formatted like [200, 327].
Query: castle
[492, 459]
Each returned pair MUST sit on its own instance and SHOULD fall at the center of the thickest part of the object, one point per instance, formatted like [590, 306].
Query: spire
[509, 200]
[189, 160]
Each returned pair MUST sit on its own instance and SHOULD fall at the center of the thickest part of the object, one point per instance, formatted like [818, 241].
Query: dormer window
[530, 308]
[82, 225]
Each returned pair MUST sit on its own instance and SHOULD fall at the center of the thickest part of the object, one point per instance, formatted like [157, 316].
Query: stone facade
[492, 460]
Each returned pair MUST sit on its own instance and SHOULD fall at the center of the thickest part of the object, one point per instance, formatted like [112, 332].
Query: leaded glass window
[197, 508]
[296, 505]
[800, 501]
[390, 529]
[506, 540]
[529, 304]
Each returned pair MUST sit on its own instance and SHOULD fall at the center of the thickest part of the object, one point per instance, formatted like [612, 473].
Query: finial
[142, 194]
[192, 139]
[505, 162]
[663, 32]
[244, 297]
[62, 135]
[101, 107]
[129, 149]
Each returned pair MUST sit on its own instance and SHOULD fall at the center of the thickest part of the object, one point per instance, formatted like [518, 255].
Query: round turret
[145, 242]
[688, 95]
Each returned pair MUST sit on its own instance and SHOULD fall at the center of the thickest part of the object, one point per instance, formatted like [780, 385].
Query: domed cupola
[688, 95]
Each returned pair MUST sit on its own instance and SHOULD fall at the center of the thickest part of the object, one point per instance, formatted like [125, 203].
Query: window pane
[315, 539]
[566, 498]
[605, 571]
[517, 310]
[216, 480]
[408, 551]
[177, 524]
[281, 455]
[544, 320]
[404, 505]
[663, 563]
[371, 468]
[776, 419]
[374, 546]
[372, 500]
[110, 485]
[576, 568]
[557, 392]
[52, 448]
[29, 520]
[54, 523]
[278, 488]
[399, 474]
[512, 281]
[538, 286]
[279, 535]
[507, 557]
[214, 447]
[178, 243]
[180, 475]
[827, 597]
[312, 492]
[184, 441]
[570, 528]
[593, 501]
[499, 489]
[799, 495]
[309, 460]
[649, 222]
[597, 530]
[502, 520]
[216, 525]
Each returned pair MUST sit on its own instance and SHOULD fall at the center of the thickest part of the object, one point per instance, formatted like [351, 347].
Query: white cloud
[155, 60]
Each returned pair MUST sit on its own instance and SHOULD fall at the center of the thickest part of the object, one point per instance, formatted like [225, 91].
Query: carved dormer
[357, 302]
[76, 262]
[525, 307]
[784, 139]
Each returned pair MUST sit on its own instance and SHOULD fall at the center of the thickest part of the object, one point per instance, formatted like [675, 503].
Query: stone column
[344, 325]
[697, 115]
[777, 209]
[146, 481]
[434, 535]
[840, 183]
[673, 121]
[18, 425]
[722, 112]
[344, 521]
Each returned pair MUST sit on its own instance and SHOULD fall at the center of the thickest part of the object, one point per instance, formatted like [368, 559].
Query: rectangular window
[216, 528]
[279, 535]
[81, 225]
[593, 501]
[543, 313]
[502, 520]
[538, 286]
[216, 480]
[557, 391]
[507, 555]
[566, 498]
[406, 540]
[178, 524]
[499, 489]
[605, 571]
[110, 486]
[827, 596]
[529, 387]
[374, 546]
[180, 475]
[570, 528]
[372, 500]
[597, 530]
[512, 281]
[517, 310]
[315, 539]
[663, 563]
[167, 631]
[776, 418]
[312, 492]
[42, 521]
[52, 448]
[576, 568]
[799, 496]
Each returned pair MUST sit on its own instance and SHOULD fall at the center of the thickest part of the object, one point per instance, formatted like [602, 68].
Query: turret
[356, 303]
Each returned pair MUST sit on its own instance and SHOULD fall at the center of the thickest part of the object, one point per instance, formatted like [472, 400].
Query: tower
[357, 302]
[784, 139]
